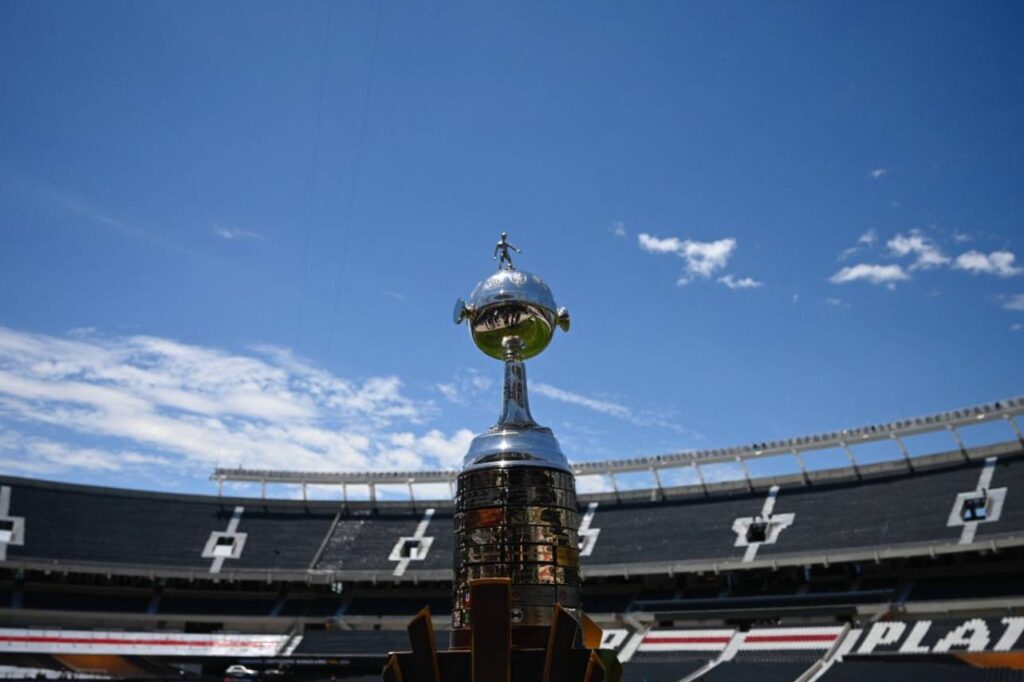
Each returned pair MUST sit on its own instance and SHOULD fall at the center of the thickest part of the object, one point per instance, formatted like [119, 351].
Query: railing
[845, 440]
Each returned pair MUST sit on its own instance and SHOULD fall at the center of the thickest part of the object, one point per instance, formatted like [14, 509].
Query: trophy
[516, 584]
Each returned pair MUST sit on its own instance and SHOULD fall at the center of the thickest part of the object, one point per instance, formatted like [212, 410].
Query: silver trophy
[516, 588]
[516, 513]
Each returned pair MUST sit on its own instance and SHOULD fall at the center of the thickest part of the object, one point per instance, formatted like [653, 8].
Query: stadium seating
[68, 525]
[755, 671]
[917, 671]
[209, 604]
[364, 541]
[660, 671]
[84, 601]
[398, 607]
[358, 642]
[762, 667]
[904, 509]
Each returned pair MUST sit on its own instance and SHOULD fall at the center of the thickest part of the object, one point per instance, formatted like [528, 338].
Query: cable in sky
[312, 176]
[347, 223]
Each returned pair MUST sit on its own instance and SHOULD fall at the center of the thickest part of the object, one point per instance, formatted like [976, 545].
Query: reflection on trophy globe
[512, 312]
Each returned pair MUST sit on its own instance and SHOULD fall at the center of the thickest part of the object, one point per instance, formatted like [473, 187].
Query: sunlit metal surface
[516, 504]
[511, 303]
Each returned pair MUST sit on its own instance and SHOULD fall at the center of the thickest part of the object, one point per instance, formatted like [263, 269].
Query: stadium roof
[846, 440]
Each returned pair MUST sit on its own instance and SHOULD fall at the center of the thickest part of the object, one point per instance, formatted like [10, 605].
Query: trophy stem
[515, 407]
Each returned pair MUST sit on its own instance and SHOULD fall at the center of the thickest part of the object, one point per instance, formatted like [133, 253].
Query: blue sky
[232, 233]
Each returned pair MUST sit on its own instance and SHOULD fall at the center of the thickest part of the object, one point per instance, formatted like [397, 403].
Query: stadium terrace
[907, 568]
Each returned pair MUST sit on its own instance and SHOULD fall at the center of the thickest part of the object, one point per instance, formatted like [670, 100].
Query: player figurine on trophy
[516, 586]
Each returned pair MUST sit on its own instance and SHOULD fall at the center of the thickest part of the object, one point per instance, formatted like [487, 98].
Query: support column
[803, 469]
[853, 460]
[959, 442]
[1016, 429]
[746, 473]
[657, 483]
[700, 477]
[903, 449]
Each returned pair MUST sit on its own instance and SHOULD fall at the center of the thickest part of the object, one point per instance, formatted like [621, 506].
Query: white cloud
[231, 233]
[33, 455]
[864, 241]
[107, 403]
[998, 263]
[1015, 302]
[745, 283]
[835, 302]
[465, 388]
[927, 252]
[876, 274]
[796, 297]
[878, 173]
[1016, 327]
[447, 452]
[602, 406]
[703, 259]
[619, 230]
[637, 418]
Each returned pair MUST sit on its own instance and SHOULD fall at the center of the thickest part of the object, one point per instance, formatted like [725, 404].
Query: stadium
[241, 439]
[900, 568]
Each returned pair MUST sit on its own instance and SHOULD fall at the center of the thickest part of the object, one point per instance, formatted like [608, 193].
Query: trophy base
[491, 655]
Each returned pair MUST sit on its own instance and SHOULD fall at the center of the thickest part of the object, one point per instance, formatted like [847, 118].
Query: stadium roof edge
[844, 439]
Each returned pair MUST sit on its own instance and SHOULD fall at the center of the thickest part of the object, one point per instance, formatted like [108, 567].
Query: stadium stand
[893, 514]
[885, 571]
[368, 643]
[914, 671]
[661, 671]
[757, 671]
[68, 524]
